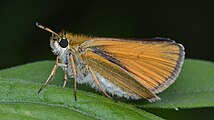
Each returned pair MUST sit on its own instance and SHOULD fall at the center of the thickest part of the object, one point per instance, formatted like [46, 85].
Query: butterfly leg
[85, 72]
[65, 77]
[50, 76]
[97, 82]
[75, 76]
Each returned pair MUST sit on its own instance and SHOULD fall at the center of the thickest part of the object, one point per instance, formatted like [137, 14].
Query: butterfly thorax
[76, 39]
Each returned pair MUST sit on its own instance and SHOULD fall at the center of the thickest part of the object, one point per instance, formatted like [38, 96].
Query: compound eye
[63, 42]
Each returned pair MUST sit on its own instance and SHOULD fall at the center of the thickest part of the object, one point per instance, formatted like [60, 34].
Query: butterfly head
[58, 42]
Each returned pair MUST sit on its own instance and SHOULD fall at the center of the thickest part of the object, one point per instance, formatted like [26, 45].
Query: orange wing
[152, 63]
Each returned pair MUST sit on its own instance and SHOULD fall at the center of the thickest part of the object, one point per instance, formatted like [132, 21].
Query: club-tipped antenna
[47, 29]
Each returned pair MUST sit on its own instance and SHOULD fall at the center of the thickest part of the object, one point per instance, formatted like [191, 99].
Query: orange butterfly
[129, 68]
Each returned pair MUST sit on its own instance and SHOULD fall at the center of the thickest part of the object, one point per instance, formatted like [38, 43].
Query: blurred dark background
[189, 23]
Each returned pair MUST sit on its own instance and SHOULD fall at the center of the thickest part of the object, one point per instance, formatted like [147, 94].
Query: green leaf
[19, 98]
[193, 89]
[19, 85]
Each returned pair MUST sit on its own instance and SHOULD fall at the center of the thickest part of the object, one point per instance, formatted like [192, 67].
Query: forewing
[116, 75]
[153, 64]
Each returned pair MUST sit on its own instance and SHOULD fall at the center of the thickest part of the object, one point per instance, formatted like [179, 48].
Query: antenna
[65, 33]
[47, 29]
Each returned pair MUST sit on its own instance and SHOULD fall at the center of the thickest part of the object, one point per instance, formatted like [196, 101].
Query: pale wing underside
[149, 66]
